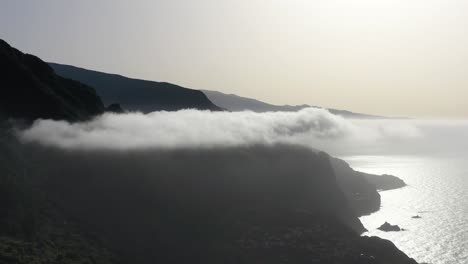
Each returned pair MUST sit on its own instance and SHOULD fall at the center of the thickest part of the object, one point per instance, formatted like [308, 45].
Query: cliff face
[361, 194]
[361, 189]
[174, 200]
[234, 205]
[30, 89]
[137, 95]
[384, 182]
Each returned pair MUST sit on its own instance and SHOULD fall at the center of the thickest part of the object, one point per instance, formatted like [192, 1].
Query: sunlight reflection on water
[436, 191]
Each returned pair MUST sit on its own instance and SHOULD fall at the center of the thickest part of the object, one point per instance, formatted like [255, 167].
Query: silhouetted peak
[30, 89]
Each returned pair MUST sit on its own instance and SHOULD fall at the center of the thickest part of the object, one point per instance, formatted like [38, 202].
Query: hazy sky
[390, 57]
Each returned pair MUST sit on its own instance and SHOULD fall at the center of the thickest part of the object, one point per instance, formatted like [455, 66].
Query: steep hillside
[33, 229]
[224, 205]
[361, 189]
[234, 102]
[30, 89]
[361, 194]
[137, 95]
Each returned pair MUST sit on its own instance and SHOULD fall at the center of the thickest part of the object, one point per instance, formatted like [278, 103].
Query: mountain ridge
[235, 102]
[137, 94]
[31, 89]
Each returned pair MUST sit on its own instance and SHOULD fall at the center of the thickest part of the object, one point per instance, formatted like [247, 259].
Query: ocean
[437, 191]
[434, 164]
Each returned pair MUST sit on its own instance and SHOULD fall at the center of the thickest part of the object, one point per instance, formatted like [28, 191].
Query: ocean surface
[437, 191]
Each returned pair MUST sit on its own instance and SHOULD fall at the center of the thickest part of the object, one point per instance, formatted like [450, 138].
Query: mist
[311, 127]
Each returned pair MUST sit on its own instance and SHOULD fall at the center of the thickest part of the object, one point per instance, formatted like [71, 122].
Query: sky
[386, 57]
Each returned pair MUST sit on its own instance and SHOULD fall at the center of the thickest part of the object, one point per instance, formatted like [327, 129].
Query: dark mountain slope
[252, 204]
[361, 188]
[234, 102]
[137, 95]
[361, 194]
[33, 229]
[30, 89]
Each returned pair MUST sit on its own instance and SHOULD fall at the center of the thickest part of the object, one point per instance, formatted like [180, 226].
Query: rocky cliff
[361, 189]
[253, 204]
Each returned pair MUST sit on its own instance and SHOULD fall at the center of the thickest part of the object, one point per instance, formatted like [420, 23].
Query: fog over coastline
[315, 128]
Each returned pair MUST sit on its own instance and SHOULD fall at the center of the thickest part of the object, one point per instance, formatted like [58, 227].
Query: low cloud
[311, 127]
[188, 128]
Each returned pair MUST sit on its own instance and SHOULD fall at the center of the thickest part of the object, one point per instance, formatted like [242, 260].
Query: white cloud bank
[311, 127]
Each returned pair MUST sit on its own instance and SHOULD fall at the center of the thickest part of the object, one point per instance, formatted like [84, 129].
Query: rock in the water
[387, 227]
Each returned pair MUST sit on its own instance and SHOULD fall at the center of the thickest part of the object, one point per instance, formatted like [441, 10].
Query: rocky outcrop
[361, 189]
[387, 227]
[30, 89]
[137, 95]
[361, 194]
[384, 182]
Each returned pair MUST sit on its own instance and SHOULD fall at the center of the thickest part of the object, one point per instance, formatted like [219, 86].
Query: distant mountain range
[234, 102]
[135, 94]
[148, 96]
[60, 91]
